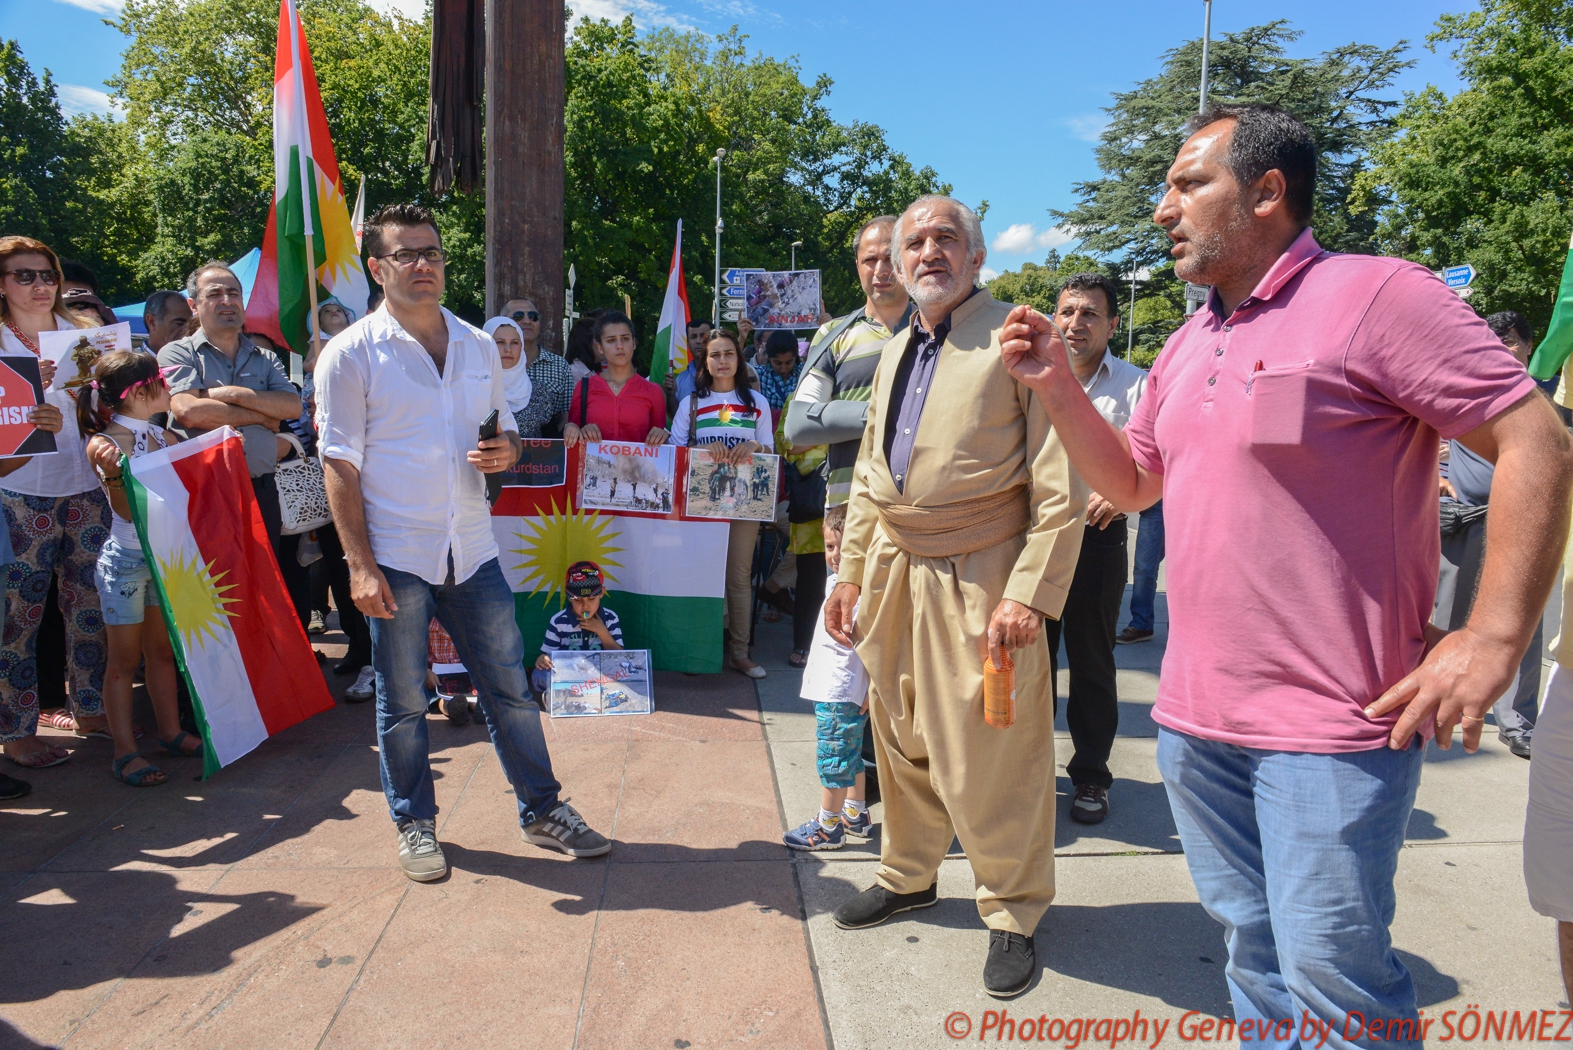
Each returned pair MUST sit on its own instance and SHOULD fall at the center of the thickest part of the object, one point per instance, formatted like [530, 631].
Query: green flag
[1557, 346]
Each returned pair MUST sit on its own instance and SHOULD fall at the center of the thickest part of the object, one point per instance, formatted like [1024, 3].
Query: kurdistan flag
[671, 337]
[1557, 346]
[237, 639]
[665, 576]
[308, 202]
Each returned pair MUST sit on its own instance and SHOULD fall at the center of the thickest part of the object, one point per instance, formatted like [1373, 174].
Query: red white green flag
[308, 202]
[671, 336]
[1557, 346]
[236, 636]
[665, 573]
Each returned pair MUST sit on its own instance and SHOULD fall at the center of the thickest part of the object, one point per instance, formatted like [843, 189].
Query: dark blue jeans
[1149, 553]
[479, 615]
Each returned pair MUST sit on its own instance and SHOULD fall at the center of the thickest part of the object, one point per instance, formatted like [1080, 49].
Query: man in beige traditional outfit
[963, 529]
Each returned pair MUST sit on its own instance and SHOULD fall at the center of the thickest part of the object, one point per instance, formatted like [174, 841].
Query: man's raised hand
[1033, 350]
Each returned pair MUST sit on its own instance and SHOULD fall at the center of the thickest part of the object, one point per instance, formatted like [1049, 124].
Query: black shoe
[876, 904]
[1011, 964]
[457, 708]
[12, 789]
[352, 664]
[1517, 743]
[563, 829]
[1090, 805]
[1132, 635]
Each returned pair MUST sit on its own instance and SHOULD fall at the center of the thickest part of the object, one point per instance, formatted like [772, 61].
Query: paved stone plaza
[265, 907]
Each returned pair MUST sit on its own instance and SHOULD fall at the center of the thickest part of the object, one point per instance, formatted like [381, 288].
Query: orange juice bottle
[999, 692]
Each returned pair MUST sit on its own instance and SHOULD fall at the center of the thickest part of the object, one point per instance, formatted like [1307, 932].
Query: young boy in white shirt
[835, 680]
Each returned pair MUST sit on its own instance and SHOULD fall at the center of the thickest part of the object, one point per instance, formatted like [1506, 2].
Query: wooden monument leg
[524, 158]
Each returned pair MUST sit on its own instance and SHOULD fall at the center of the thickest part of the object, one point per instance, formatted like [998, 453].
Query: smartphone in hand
[493, 481]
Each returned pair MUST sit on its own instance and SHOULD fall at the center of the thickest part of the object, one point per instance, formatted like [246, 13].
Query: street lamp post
[1191, 304]
[795, 246]
[1130, 322]
[715, 319]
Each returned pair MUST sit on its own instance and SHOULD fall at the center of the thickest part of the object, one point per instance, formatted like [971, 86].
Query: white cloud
[1088, 127]
[646, 13]
[414, 10]
[74, 99]
[987, 274]
[1022, 237]
[98, 7]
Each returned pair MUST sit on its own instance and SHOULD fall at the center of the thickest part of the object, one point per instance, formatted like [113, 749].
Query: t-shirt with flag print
[726, 418]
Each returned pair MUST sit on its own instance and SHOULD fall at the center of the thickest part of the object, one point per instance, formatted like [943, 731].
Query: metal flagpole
[715, 316]
[308, 184]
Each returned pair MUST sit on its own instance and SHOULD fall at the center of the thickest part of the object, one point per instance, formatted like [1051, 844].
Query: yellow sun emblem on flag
[556, 540]
[197, 601]
[725, 415]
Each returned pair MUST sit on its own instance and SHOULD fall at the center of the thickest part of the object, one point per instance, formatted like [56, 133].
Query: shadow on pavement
[1139, 818]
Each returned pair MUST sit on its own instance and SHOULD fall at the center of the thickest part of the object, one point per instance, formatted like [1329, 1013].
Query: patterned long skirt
[60, 537]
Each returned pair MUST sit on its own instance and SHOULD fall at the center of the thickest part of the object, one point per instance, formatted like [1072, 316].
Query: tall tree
[1339, 95]
[36, 154]
[1486, 177]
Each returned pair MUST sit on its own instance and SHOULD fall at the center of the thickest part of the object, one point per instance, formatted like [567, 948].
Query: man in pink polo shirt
[1291, 429]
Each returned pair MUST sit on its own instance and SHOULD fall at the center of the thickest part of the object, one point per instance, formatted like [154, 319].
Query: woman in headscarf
[509, 337]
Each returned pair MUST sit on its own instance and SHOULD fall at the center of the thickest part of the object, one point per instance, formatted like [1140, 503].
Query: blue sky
[1004, 101]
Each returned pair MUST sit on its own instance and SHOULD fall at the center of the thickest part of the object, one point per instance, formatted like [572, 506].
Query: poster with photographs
[726, 490]
[623, 476]
[74, 351]
[610, 682]
[782, 299]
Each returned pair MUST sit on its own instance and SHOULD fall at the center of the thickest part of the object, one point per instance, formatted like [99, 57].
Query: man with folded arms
[1291, 428]
[963, 527]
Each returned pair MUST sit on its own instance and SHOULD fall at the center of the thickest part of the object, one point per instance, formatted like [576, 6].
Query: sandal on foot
[175, 745]
[43, 758]
[57, 719]
[137, 778]
[799, 658]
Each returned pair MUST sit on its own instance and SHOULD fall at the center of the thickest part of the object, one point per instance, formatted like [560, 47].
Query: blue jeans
[1149, 553]
[478, 615]
[1295, 854]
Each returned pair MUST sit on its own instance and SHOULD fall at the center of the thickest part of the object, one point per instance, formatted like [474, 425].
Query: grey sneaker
[365, 687]
[564, 829]
[419, 854]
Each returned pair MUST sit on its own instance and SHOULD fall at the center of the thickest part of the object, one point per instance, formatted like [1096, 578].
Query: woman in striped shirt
[732, 422]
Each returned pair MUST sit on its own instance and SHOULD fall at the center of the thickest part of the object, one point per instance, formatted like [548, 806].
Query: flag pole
[311, 288]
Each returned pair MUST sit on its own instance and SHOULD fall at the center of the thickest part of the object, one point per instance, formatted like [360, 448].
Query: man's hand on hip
[1460, 677]
[840, 608]
[371, 594]
[1013, 626]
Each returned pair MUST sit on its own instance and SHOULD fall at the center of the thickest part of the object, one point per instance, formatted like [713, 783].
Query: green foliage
[1160, 298]
[1486, 177]
[1338, 95]
[188, 173]
[644, 117]
[37, 157]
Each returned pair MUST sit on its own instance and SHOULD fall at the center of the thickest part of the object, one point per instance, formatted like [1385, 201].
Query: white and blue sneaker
[813, 835]
[860, 826]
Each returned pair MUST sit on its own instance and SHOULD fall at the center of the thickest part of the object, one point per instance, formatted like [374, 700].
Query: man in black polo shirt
[219, 378]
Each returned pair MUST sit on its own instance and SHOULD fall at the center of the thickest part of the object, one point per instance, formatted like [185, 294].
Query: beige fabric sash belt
[953, 529]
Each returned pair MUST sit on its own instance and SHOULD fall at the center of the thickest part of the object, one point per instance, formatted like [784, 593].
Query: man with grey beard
[963, 528]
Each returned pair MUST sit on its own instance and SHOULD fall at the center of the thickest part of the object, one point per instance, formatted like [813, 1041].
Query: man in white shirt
[1088, 313]
[401, 395]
